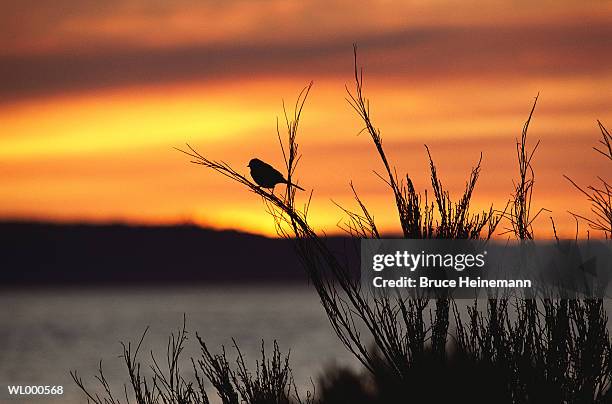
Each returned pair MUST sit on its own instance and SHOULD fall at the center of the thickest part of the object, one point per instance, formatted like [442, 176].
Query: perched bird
[267, 176]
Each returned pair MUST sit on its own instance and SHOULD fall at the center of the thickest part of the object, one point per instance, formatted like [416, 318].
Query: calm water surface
[45, 334]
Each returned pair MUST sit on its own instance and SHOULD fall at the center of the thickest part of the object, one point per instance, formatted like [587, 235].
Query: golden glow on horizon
[120, 121]
[108, 156]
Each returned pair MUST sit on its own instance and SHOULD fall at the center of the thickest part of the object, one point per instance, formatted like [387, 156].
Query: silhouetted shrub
[521, 351]
[554, 351]
[272, 382]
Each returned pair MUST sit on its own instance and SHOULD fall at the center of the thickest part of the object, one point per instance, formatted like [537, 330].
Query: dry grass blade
[606, 141]
[520, 214]
[599, 197]
[359, 225]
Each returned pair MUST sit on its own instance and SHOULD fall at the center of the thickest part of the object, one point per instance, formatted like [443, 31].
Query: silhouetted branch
[600, 197]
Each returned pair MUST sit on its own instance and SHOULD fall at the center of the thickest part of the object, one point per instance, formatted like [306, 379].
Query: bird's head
[254, 163]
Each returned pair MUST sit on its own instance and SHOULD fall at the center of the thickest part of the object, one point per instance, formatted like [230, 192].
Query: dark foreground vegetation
[501, 351]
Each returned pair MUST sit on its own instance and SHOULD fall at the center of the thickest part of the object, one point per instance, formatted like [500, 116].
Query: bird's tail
[293, 185]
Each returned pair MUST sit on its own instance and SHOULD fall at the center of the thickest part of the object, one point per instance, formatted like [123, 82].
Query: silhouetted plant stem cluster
[520, 211]
[272, 382]
[600, 196]
[553, 351]
[509, 351]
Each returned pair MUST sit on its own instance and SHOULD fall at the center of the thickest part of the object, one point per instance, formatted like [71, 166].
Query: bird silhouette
[267, 176]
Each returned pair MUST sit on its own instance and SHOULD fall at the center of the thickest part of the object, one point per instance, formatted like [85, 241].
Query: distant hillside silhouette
[83, 254]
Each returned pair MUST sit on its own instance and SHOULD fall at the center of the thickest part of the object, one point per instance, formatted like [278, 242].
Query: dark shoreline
[40, 255]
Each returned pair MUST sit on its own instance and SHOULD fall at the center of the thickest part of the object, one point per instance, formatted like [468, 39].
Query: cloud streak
[413, 54]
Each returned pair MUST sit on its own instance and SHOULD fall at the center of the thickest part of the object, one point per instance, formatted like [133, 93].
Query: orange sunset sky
[94, 95]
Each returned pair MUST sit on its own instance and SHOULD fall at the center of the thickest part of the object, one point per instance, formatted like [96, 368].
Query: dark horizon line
[85, 254]
[119, 223]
